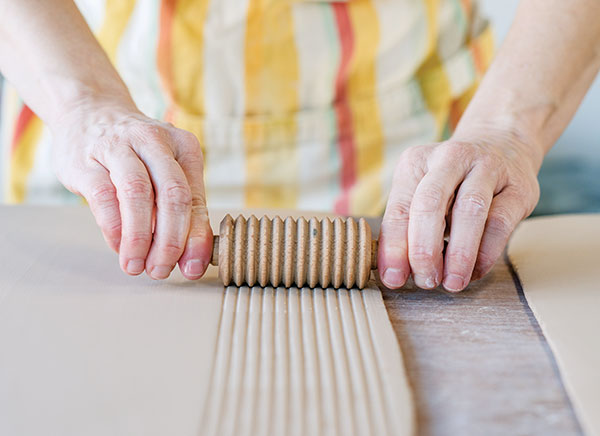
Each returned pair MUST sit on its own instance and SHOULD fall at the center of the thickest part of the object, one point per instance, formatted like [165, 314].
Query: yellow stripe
[432, 78]
[271, 67]
[482, 48]
[187, 56]
[367, 198]
[22, 160]
[486, 49]
[116, 18]
[432, 8]
[436, 90]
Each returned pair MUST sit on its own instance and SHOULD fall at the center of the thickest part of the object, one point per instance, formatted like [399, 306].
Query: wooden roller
[273, 252]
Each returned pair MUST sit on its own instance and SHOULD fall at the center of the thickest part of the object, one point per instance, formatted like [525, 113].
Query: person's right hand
[143, 180]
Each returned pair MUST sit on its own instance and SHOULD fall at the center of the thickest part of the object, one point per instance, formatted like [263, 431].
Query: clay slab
[85, 349]
[557, 260]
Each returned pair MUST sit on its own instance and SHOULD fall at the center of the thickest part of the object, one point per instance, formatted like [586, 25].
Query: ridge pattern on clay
[306, 362]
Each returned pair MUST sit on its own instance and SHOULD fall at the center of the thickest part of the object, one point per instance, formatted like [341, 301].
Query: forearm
[544, 68]
[50, 55]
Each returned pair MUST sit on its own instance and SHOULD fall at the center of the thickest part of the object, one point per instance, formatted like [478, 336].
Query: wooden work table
[477, 361]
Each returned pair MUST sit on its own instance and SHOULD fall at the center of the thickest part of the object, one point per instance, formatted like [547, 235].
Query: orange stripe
[467, 6]
[165, 57]
[367, 196]
[460, 105]
[116, 19]
[482, 50]
[342, 107]
[23, 120]
[477, 58]
[187, 56]
[23, 156]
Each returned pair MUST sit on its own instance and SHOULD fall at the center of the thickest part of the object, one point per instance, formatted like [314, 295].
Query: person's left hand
[478, 189]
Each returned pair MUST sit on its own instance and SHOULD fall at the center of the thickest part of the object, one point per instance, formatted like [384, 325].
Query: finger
[136, 199]
[173, 207]
[198, 249]
[427, 223]
[469, 214]
[392, 258]
[101, 195]
[505, 214]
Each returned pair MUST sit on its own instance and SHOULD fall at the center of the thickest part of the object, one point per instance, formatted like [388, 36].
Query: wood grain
[477, 361]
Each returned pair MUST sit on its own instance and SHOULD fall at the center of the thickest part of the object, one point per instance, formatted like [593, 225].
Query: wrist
[80, 101]
[517, 118]
[72, 97]
[505, 132]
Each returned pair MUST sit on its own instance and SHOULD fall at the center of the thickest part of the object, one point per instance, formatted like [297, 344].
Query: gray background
[569, 176]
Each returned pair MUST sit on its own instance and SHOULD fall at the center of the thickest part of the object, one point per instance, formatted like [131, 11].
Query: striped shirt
[303, 104]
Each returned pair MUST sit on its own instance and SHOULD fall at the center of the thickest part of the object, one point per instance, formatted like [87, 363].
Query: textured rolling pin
[276, 252]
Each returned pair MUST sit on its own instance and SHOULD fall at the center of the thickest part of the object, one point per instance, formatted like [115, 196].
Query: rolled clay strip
[323, 253]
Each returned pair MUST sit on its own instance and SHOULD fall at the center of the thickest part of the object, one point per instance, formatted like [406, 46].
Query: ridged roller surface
[298, 252]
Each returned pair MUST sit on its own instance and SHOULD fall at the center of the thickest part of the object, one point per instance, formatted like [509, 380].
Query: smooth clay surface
[557, 260]
[85, 349]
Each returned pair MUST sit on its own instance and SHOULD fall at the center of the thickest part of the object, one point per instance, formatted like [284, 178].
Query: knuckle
[407, 170]
[198, 205]
[520, 188]
[151, 132]
[189, 149]
[461, 258]
[488, 162]
[173, 247]
[428, 200]
[528, 194]
[111, 227]
[203, 232]
[169, 251]
[421, 255]
[500, 223]
[398, 212]
[189, 139]
[137, 238]
[103, 194]
[184, 139]
[473, 204]
[137, 187]
[453, 151]
[485, 261]
[193, 158]
[177, 196]
[410, 164]
[412, 154]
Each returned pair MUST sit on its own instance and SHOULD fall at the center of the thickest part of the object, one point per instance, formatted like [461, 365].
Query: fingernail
[194, 268]
[135, 266]
[160, 272]
[394, 277]
[424, 282]
[454, 283]
[431, 282]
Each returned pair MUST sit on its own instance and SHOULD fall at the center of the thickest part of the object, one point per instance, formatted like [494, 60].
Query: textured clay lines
[306, 361]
